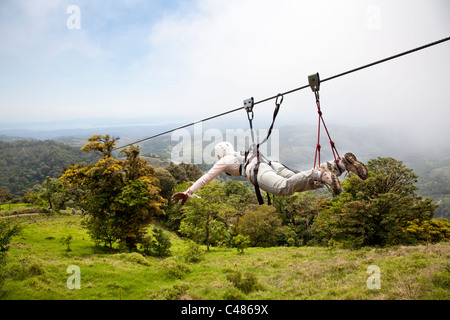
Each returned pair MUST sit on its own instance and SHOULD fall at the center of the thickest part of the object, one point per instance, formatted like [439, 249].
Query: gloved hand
[183, 196]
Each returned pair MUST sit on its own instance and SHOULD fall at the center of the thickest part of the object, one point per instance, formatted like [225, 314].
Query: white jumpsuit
[274, 178]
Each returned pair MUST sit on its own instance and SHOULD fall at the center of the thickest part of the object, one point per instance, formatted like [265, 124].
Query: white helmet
[223, 149]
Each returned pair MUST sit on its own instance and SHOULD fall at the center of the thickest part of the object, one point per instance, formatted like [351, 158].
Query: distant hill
[25, 163]
[429, 158]
[297, 147]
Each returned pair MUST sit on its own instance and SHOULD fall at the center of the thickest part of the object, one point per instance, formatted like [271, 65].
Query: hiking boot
[352, 165]
[329, 178]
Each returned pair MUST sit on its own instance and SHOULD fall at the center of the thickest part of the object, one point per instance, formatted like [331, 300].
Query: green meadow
[38, 262]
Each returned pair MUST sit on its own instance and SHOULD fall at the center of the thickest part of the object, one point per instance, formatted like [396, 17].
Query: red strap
[318, 147]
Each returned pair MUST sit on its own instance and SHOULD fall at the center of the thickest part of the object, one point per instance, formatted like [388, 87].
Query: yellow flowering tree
[429, 231]
[119, 197]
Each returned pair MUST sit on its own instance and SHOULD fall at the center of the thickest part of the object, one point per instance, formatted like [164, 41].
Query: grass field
[38, 262]
[17, 208]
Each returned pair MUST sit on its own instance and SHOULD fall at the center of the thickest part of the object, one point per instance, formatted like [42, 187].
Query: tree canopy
[120, 197]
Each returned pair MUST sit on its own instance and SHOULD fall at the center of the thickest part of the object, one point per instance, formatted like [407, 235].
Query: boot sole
[355, 166]
[335, 183]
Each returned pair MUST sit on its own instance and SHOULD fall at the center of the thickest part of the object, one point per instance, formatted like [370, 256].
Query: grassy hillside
[38, 262]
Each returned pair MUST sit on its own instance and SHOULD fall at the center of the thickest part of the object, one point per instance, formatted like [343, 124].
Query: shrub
[158, 244]
[7, 231]
[262, 226]
[176, 292]
[233, 294]
[25, 267]
[241, 242]
[66, 241]
[134, 257]
[246, 282]
[175, 268]
[193, 252]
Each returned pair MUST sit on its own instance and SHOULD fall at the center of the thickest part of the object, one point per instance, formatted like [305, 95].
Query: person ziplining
[274, 177]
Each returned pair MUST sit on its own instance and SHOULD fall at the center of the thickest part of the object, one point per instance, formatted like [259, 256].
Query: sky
[191, 59]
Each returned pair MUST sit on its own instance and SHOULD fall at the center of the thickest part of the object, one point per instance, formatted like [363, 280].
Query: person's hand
[183, 196]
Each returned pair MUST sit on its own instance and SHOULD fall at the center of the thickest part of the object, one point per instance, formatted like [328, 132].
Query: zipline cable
[293, 90]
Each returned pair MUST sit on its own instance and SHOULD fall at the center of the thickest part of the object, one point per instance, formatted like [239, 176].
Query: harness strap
[249, 103]
[314, 82]
[255, 183]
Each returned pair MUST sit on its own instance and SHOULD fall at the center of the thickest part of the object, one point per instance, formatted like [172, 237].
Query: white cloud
[207, 56]
[225, 51]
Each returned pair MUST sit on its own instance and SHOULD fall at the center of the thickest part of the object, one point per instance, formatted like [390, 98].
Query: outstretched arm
[226, 164]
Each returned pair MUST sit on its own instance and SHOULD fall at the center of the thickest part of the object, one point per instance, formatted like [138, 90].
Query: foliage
[66, 241]
[241, 242]
[52, 191]
[428, 231]
[102, 145]
[204, 217]
[120, 197]
[36, 270]
[262, 226]
[232, 187]
[246, 282]
[26, 163]
[184, 172]
[5, 195]
[175, 268]
[299, 211]
[375, 211]
[7, 231]
[166, 182]
[193, 252]
[158, 244]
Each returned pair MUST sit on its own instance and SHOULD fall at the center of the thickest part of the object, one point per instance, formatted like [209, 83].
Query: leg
[282, 170]
[271, 182]
[348, 163]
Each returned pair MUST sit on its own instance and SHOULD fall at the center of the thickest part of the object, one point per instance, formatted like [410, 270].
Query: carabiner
[278, 103]
[248, 105]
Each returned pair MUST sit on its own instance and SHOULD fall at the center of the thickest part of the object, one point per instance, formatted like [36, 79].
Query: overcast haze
[193, 59]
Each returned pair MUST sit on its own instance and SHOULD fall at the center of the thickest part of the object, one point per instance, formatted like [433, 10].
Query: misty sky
[194, 59]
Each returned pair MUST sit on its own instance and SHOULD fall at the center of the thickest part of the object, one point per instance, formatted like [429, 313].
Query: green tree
[101, 145]
[298, 212]
[241, 242]
[52, 191]
[234, 187]
[184, 172]
[167, 182]
[120, 198]
[263, 226]
[375, 211]
[158, 244]
[203, 219]
[5, 195]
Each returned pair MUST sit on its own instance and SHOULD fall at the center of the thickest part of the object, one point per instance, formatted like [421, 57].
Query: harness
[254, 150]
